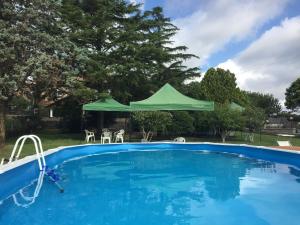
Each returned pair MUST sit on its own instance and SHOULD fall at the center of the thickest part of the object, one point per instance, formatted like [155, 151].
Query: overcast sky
[258, 40]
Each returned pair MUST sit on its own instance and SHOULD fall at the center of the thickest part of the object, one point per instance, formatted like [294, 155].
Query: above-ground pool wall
[248, 151]
[12, 180]
[255, 152]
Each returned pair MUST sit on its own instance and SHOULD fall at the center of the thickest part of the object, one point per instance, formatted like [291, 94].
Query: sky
[258, 40]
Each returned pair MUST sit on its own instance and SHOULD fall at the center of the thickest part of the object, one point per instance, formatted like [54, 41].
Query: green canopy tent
[168, 98]
[237, 107]
[107, 104]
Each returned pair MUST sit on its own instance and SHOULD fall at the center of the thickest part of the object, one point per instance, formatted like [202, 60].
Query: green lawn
[54, 140]
[48, 140]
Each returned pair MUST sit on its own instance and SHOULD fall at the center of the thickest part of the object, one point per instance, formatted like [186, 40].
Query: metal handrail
[38, 149]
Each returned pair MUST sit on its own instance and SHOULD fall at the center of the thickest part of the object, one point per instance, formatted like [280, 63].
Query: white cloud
[219, 22]
[271, 62]
[138, 2]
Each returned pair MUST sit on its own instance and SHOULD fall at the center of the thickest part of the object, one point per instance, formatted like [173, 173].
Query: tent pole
[126, 125]
[129, 126]
[101, 121]
[82, 120]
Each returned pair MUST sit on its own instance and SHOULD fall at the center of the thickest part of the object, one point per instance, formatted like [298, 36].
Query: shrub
[152, 121]
[182, 123]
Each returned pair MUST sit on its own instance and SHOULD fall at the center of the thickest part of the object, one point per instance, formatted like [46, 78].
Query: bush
[152, 121]
[182, 123]
[221, 121]
[202, 121]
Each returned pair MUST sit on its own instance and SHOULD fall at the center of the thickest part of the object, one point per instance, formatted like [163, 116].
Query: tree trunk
[223, 136]
[2, 124]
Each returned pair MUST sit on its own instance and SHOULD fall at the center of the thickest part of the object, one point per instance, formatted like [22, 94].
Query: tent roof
[168, 98]
[107, 104]
[237, 107]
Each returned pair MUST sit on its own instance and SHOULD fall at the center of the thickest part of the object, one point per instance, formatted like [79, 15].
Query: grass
[55, 140]
[48, 140]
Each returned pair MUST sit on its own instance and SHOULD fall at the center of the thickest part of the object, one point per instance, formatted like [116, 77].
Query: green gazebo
[168, 98]
[107, 104]
[236, 107]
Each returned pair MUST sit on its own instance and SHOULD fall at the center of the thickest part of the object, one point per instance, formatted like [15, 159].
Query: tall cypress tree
[130, 52]
[99, 26]
[166, 59]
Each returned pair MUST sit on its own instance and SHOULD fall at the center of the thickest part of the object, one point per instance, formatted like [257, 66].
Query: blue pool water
[162, 187]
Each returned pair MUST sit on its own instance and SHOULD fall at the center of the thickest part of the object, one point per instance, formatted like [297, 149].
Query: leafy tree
[253, 119]
[226, 120]
[152, 121]
[292, 95]
[267, 102]
[221, 121]
[36, 57]
[203, 121]
[220, 86]
[194, 90]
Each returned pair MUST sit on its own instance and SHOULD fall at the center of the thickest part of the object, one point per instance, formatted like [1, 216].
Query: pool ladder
[19, 146]
[29, 200]
[44, 171]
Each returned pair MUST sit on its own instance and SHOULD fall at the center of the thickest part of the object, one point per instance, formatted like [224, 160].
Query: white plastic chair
[105, 136]
[119, 136]
[179, 139]
[89, 135]
[284, 143]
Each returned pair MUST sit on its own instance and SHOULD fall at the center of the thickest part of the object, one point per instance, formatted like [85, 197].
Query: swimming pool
[157, 183]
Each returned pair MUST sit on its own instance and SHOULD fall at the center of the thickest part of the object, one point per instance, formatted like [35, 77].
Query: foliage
[253, 119]
[85, 50]
[182, 123]
[36, 56]
[267, 102]
[226, 120]
[292, 95]
[152, 121]
[129, 51]
[19, 103]
[220, 86]
[203, 121]
[221, 122]
[194, 90]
